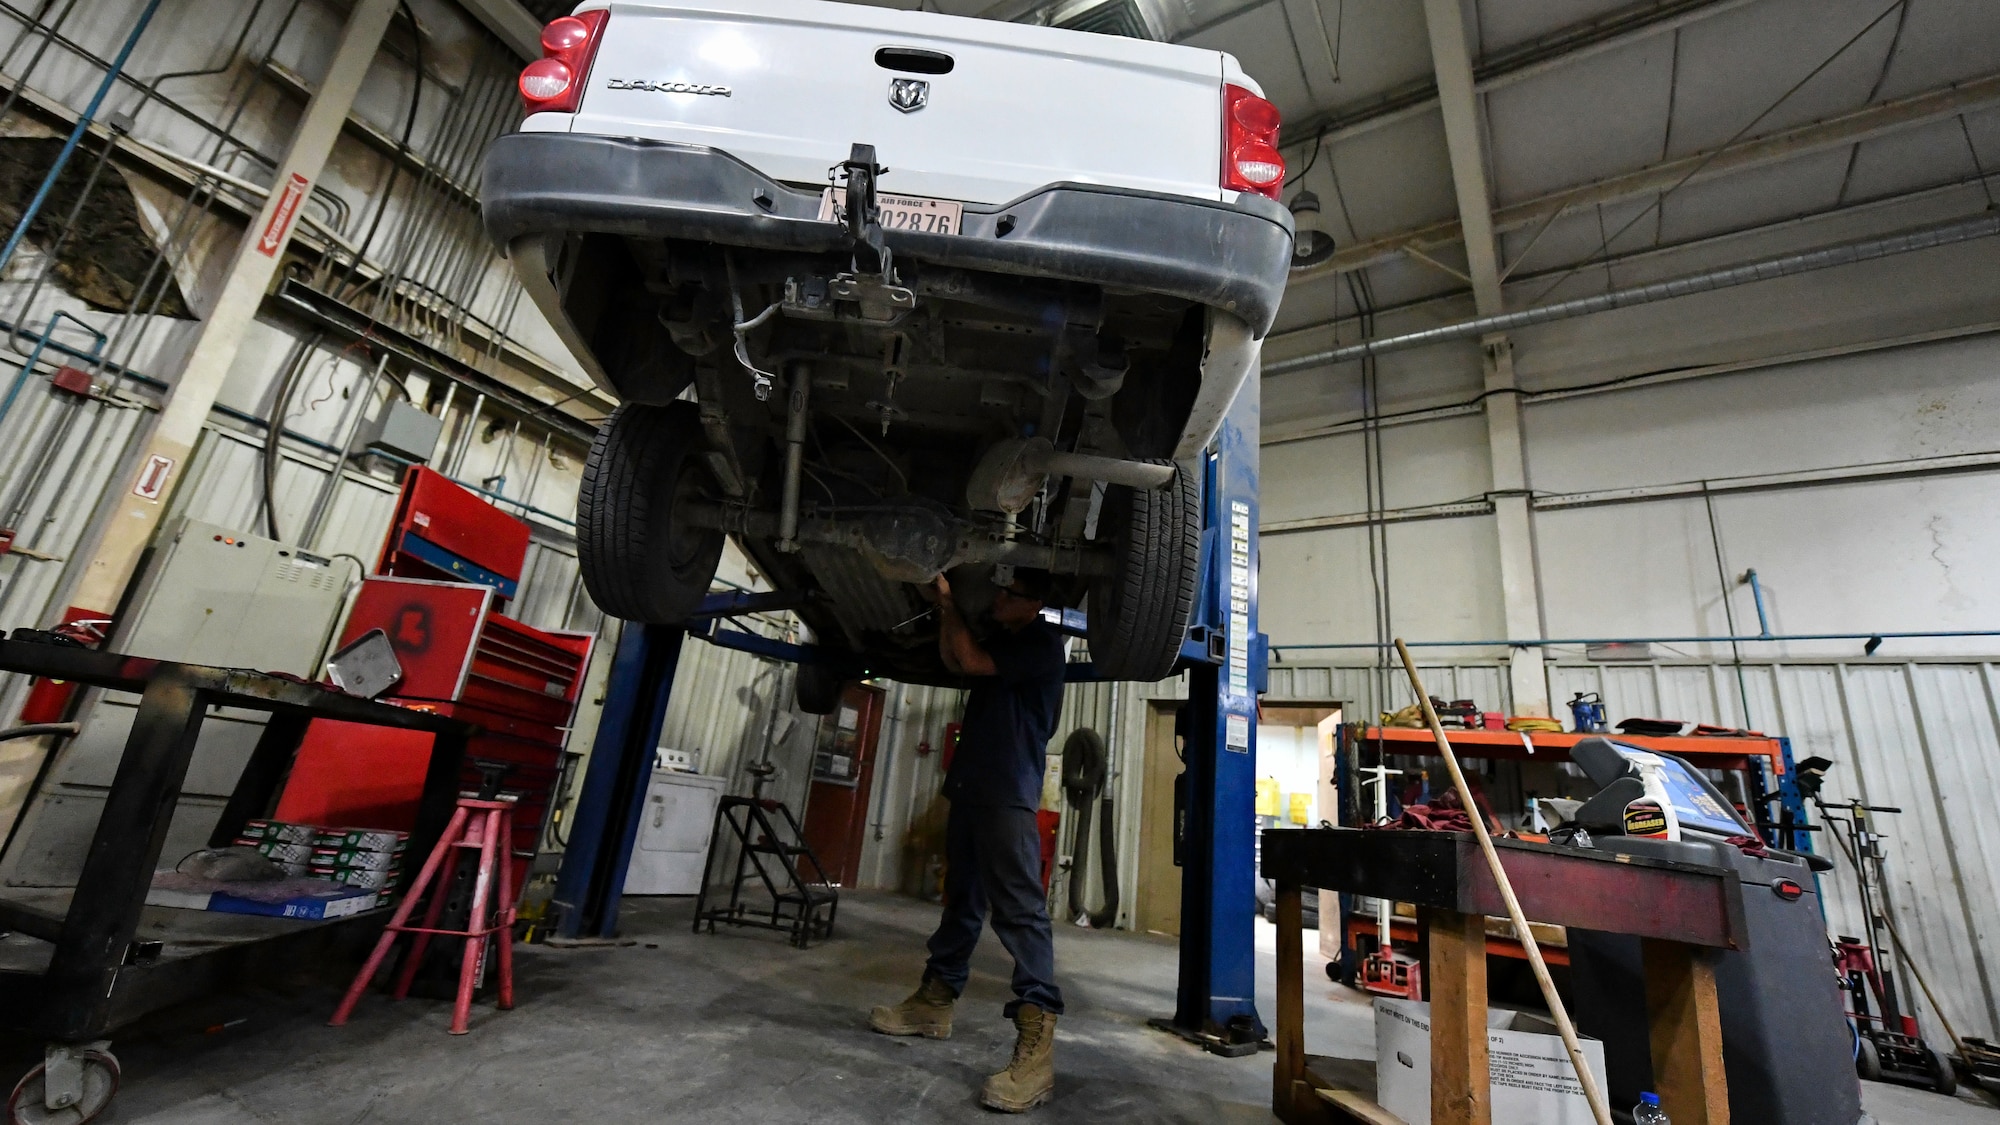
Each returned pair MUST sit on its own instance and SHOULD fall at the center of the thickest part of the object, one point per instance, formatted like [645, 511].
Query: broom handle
[1599, 1108]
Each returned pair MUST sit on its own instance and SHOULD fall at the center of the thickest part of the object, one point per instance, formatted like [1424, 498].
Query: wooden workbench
[1681, 912]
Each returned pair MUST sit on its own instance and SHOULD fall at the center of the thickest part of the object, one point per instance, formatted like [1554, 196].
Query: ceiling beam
[1452, 58]
[1832, 132]
[1504, 68]
[515, 25]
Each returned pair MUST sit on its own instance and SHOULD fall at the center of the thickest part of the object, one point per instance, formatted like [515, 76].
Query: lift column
[591, 882]
[1216, 1000]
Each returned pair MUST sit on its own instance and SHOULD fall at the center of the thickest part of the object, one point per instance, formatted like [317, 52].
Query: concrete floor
[735, 1026]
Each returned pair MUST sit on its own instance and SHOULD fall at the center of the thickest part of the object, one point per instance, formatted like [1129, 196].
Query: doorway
[843, 769]
[1294, 751]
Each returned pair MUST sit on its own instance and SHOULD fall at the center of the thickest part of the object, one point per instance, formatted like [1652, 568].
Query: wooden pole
[1599, 1108]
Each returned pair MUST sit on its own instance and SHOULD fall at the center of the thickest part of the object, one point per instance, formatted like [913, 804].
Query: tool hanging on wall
[1084, 770]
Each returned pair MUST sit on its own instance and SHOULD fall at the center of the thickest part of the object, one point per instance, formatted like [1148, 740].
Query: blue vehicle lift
[1225, 656]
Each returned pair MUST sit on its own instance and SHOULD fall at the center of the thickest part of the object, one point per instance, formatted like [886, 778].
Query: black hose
[1084, 771]
[272, 434]
[37, 730]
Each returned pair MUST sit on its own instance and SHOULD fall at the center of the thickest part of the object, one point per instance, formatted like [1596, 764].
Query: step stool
[487, 826]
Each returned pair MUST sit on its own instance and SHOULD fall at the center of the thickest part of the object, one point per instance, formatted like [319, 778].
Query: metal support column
[592, 879]
[143, 498]
[1520, 597]
[1216, 1001]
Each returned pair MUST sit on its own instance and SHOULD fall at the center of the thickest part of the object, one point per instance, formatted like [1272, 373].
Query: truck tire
[639, 562]
[1138, 614]
[816, 688]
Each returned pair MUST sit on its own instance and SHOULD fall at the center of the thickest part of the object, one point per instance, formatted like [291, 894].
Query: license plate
[900, 212]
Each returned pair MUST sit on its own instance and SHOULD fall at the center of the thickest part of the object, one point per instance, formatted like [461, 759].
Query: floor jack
[1382, 971]
[1888, 1046]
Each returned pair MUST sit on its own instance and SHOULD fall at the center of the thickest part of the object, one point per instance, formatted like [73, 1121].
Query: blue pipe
[75, 135]
[1540, 643]
[34, 357]
[1757, 592]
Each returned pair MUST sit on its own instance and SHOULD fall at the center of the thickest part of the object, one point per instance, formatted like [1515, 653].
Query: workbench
[1683, 913]
[103, 957]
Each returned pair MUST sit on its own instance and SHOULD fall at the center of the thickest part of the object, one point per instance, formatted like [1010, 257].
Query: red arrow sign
[281, 218]
[153, 478]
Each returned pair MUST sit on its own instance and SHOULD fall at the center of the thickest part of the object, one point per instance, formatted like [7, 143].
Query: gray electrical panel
[407, 432]
[209, 596]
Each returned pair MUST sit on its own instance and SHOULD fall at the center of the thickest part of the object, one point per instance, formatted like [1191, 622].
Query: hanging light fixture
[1311, 244]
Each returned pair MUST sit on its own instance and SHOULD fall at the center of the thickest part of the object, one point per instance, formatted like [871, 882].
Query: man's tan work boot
[927, 1012]
[1031, 1077]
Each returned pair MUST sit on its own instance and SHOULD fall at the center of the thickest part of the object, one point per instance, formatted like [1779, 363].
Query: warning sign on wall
[153, 478]
[281, 218]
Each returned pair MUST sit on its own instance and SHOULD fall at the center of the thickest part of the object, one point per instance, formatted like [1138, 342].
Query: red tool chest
[460, 657]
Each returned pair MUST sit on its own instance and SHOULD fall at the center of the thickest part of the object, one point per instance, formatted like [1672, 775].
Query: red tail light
[1250, 160]
[554, 82]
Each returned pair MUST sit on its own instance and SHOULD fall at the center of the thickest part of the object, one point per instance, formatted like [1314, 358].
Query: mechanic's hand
[941, 590]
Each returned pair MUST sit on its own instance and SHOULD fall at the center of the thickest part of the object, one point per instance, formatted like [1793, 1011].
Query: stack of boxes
[369, 858]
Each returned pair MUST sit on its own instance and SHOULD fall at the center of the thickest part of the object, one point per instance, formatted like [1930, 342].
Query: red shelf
[1714, 753]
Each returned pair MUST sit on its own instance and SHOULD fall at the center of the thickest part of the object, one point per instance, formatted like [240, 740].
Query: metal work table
[104, 958]
[1682, 912]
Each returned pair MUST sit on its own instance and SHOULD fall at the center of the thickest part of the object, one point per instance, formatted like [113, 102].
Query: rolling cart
[85, 960]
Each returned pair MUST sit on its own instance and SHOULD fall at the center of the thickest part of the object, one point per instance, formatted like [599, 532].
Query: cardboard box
[282, 832]
[316, 906]
[362, 839]
[1533, 1082]
[358, 858]
[373, 880]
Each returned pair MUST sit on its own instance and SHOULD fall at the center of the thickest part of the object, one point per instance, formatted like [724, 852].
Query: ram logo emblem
[909, 94]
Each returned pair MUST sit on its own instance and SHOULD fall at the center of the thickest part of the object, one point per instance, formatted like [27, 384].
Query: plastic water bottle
[1648, 1111]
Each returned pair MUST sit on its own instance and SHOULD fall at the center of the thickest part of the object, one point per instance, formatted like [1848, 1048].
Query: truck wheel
[640, 561]
[1138, 614]
[817, 689]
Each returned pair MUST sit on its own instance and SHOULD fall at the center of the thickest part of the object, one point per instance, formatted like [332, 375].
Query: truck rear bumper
[1228, 256]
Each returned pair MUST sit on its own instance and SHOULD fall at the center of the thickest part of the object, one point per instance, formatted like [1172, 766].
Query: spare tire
[639, 559]
[1138, 614]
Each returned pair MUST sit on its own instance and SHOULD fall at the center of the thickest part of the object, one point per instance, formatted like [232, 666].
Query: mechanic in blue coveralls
[993, 852]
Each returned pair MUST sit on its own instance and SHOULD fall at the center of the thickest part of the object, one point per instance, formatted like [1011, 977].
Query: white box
[671, 849]
[1532, 1080]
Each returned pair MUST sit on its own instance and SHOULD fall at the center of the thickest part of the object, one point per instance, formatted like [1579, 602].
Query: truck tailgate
[1021, 106]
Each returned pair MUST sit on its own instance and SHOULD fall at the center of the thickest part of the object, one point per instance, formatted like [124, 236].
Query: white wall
[1891, 534]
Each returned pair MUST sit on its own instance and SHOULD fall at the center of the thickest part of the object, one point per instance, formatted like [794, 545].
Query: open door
[843, 771]
[1158, 908]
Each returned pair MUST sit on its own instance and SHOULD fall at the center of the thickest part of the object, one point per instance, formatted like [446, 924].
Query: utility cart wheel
[1943, 1078]
[1868, 1060]
[93, 1086]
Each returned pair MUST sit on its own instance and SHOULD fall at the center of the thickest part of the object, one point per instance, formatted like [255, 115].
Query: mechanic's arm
[961, 653]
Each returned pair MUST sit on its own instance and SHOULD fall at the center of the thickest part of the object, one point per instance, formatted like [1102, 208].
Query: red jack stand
[487, 826]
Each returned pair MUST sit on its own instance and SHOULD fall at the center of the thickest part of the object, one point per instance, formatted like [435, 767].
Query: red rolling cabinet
[460, 657]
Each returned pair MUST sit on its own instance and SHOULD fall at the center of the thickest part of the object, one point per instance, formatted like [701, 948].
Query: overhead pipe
[1537, 642]
[83, 123]
[1788, 265]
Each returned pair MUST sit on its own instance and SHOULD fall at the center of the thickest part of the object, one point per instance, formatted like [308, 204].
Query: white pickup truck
[888, 294]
